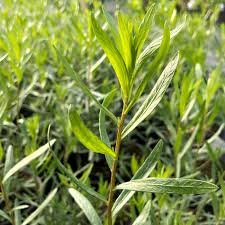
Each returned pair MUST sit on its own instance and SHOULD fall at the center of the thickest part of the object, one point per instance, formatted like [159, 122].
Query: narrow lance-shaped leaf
[125, 31]
[154, 97]
[169, 185]
[113, 55]
[86, 207]
[163, 50]
[102, 125]
[144, 215]
[75, 180]
[87, 137]
[143, 172]
[155, 44]
[25, 161]
[144, 29]
[82, 85]
[40, 207]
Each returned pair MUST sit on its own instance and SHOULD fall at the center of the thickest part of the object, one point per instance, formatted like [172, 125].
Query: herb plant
[124, 50]
[40, 43]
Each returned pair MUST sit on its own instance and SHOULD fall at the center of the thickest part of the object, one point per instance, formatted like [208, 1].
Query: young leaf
[143, 217]
[163, 50]
[102, 126]
[82, 85]
[40, 208]
[25, 161]
[143, 172]
[169, 185]
[154, 97]
[144, 29]
[155, 44]
[113, 55]
[86, 207]
[86, 137]
[125, 32]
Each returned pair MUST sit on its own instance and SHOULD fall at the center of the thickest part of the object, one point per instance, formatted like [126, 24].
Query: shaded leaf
[40, 207]
[143, 217]
[86, 207]
[102, 126]
[82, 85]
[25, 161]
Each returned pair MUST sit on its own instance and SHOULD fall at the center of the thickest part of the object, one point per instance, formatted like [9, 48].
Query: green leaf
[3, 104]
[76, 181]
[164, 48]
[40, 207]
[86, 137]
[5, 216]
[86, 207]
[82, 85]
[169, 185]
[125, 32]
[25, 161]
[143, 217]
[143, 172]
[113, 55]
[154, 97]
[185, 149]
[144, 29]
[102, 126]
[155, 44]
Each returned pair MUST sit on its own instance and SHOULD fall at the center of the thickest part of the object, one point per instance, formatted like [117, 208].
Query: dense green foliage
[54, 54]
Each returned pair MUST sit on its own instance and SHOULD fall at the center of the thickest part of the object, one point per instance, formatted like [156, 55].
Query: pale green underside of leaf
[86, 207]
[163, 50]
[169, 185]
[82, 85]
[143, 172]
[143, 217]
[154, 97]
[40, 207]
[87, 137]
[155, 44]
[25, 161]
[113, 55]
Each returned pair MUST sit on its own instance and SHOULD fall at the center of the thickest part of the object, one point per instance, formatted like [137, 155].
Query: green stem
[115, 163]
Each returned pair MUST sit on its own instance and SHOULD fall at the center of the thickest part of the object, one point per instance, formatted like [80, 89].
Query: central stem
[114, 165]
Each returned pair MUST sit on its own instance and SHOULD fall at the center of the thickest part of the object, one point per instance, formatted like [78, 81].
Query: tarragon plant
[124, 46]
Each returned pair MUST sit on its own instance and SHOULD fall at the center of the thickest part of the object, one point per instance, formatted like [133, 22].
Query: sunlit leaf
[143, 172]
[169, 185]
[87, 137]
[154, 97]
[113, 55]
